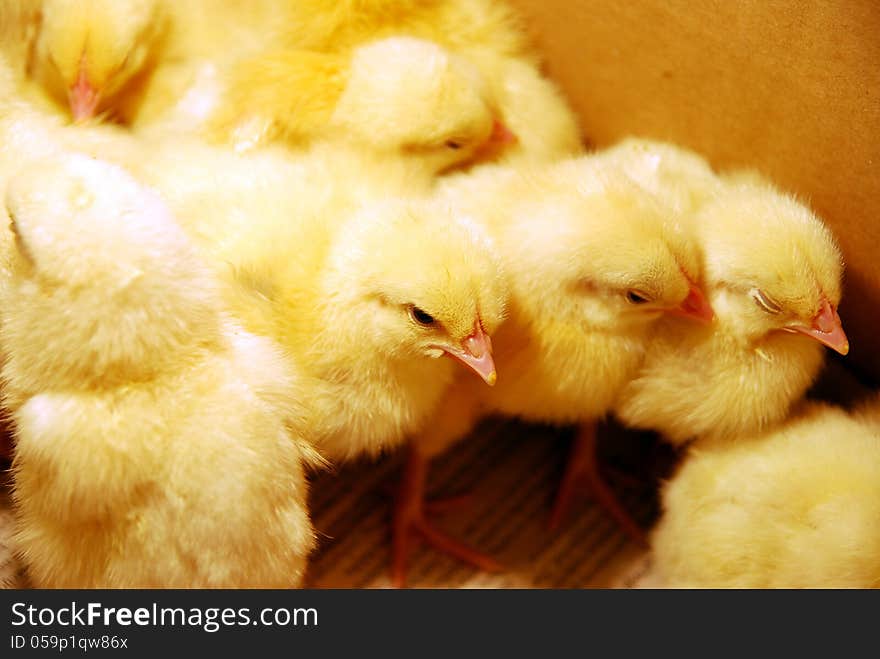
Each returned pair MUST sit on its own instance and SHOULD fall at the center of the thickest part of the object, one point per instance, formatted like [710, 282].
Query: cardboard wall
[791, 88]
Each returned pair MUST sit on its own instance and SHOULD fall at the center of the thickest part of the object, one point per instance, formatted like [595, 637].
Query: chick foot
[583, 470]
[410, 517]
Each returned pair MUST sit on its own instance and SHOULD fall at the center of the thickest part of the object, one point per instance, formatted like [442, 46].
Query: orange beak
[476, 352]
[826, 327]
[84, 97]
[695, 306]
[500, 137]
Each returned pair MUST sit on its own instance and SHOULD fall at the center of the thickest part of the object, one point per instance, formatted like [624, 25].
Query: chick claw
[582, 469]
[409, 516]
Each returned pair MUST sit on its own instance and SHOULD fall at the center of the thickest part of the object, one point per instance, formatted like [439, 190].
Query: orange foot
[410, 518]
[582, 470]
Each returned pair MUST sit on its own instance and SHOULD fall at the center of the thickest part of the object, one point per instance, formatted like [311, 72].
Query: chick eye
[453, 144]
[765, 302]
[634, 296]
[421, 316]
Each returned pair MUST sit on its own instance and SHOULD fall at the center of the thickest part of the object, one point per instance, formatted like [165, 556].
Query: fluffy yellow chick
[592, 261]
[89, 54]
[796, 506]
[295, 86]
[371, 310]
[158, 442]
[773, 275]
[397, 97]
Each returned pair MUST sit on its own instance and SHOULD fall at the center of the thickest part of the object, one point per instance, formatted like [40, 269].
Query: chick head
[410, 97]
[414, 280]
[603, 254]
[771, 264]
[107, 287]
[89, 50]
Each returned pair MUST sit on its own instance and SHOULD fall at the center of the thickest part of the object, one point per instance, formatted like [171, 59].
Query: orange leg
[582, 470]
[410, 516]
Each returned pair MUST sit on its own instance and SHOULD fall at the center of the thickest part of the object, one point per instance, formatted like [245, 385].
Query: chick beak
[826, 327]
[500, 137]
[84, 97]
[695, 306]
[476, 352]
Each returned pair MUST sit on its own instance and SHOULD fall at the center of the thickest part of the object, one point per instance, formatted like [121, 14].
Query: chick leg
[410, 516]
[583, 469]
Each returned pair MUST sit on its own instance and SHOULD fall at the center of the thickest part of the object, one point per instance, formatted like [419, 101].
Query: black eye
[421, 317]
[636, 297]
[453, 144]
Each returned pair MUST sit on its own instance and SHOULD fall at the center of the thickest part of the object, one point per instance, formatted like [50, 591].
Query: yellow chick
[592, 262]
[370, 309]
[397, 97]
[89, 54]
[291, 89]
[773, 275]
[795, 506]
[158, 443]
[430, 105]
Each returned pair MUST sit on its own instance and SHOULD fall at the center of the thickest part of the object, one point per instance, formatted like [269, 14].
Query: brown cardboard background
[791, 88]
